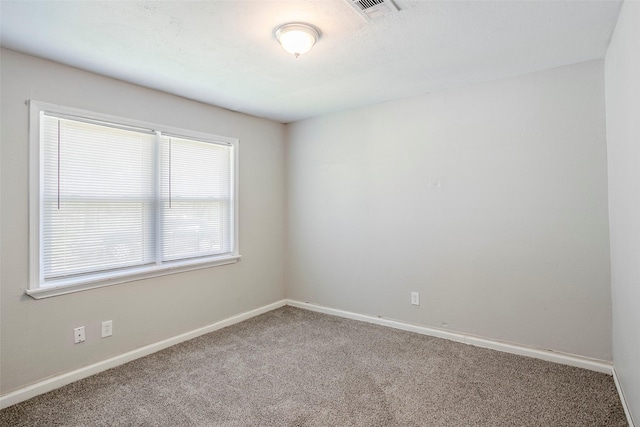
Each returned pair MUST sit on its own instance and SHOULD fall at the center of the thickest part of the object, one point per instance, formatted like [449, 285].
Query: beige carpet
[293, 367]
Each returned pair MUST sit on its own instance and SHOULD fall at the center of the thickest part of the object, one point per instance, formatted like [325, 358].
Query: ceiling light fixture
[297, 38]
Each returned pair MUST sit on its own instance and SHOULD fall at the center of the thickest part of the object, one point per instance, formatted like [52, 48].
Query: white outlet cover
[415, 298]
[78, 335]
[107, 328]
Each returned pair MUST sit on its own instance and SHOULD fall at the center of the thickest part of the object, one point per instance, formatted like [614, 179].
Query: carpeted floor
[292, 367]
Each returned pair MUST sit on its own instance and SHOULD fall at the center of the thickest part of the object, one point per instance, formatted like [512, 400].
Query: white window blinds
[116, 199]
[98, 197]
[196, 199]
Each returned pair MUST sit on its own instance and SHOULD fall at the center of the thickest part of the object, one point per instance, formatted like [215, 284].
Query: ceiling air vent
[372, 9]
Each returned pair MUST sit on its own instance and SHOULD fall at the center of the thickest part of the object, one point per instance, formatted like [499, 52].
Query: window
[114, 200]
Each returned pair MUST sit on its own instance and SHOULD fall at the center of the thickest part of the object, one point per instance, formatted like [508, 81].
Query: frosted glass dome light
[297, 38]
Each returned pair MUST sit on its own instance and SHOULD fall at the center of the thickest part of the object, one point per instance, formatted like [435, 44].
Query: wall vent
[373, 9]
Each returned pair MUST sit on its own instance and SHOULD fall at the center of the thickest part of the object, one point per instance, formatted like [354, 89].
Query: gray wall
[623, 142]
[36, 336]
[489, 200]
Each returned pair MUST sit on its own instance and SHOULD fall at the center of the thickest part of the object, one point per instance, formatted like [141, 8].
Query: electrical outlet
[415, 298]
[78, 335]
[107, 328]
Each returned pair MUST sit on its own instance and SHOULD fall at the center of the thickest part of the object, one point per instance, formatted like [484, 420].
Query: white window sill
[78, 284]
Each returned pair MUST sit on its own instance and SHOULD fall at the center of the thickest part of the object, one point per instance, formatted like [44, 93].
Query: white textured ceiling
[224, 53]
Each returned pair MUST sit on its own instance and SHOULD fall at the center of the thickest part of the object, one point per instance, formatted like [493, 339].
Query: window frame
[36, 287]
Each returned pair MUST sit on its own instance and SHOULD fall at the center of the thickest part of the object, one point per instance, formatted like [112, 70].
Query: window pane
[196, 199]
[98, 197]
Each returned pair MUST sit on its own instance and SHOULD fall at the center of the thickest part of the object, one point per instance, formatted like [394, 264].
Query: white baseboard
[69, 377]
[550, 356]
[627, 412]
